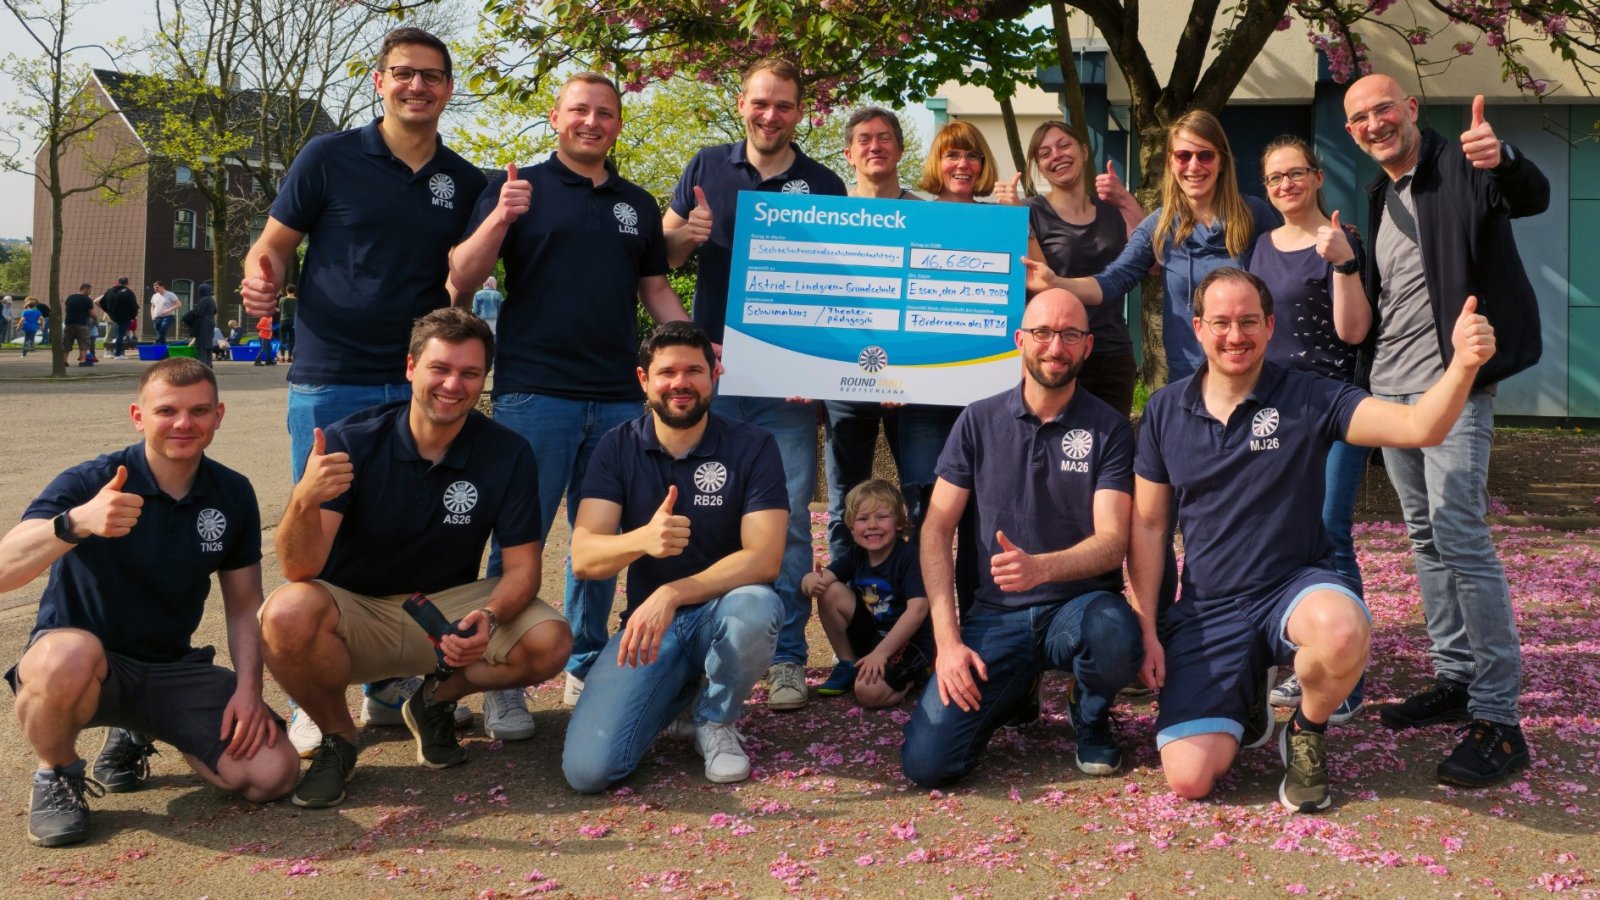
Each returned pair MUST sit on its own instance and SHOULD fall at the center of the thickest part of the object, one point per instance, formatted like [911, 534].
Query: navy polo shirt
[410, 525]
[1036, 481]
[734, 470]
[722, 172]
[378, 255]
[573, 264]
[1249, 491]
[143, 594]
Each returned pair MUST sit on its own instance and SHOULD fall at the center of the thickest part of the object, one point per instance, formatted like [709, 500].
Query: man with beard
[433, 478]
[693, 505]
[1056, 530]
[700, 218]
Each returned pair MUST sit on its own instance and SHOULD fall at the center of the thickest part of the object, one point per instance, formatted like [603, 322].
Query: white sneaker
[506, 716]
[381, 707]
[723, 750]
[304, 733]
[786, 686]
[574, 690]
[681, 727]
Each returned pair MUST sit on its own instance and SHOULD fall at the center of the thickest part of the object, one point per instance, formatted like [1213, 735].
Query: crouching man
[402, 498]
[131, 540]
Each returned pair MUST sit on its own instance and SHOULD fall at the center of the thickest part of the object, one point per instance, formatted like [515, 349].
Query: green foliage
[16, 267]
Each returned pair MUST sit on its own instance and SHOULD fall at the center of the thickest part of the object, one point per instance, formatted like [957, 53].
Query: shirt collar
[737, 156]
[405, 444]
[709, 441]
[1266, 384]
[1019, 409]
[373, 145]
[565, 173]
[143, 482]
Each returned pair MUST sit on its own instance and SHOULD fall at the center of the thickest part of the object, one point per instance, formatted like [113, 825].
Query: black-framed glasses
[404, 74]
[1204, 157]
[1247, 325]
[1380, 111]
[1294, 176]
[1069, 336]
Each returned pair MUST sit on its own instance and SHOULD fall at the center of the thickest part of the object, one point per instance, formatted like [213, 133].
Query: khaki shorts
[384, 642]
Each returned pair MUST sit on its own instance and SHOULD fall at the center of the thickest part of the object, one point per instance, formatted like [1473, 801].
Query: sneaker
[303, 733]
[723, 749]
[841, 679]
[506, 716]
[332, 764]
[1098, 753]
[1349, 709]
[1025, 710]
[1137, 691]
[1287, 696]
[1258, 730]
[433, 724]
[786, 688]
[1489, 752]
[59, 813]
[381, 702]
[574, 690]
[124, 761]
[683, 726]
[1446, 701]
[1305, 779]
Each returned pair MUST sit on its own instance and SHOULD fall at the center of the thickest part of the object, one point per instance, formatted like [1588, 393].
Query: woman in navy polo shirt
[1312, 266]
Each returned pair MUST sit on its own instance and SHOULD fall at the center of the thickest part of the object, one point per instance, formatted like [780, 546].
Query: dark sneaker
[124, 761]
[1025, 710]
[433, 724]
[1446, 701]
[1098, 753]
[1305, 779]
[59, 814]
[332, 764]
[1490, 752]
[1258, 729]
[1287, 696]
[840, 680]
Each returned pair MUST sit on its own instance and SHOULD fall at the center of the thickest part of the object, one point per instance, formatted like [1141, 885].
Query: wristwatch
[494, 621]
[1348, 267]
[63, 526]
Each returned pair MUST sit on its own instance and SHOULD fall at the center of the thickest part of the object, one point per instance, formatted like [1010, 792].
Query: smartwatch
[63, 526]
[1348, 267]
[494, 621]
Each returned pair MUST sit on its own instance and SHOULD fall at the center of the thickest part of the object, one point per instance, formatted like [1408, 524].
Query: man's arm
[685, 235]
[599, 552]
[954, 661]
[1147, 556]
[660, 300]
[32, 546]
[305, 535]
[247, 723]
[1379, 423]
[519, 584]
[265, 265]
[473, 259]
[1015, 569]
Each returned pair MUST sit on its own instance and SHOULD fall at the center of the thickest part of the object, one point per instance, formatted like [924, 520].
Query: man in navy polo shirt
[582, 245]
[1241, 445]
[382, 205]
[1056, 530]
[111, 642]
[693, 505]
[701, 218]
[397, 499]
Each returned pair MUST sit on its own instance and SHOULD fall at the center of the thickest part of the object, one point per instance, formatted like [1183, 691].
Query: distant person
[265, 356]
[8, 317]
[205, 318]
[288, 307]
[77, 324]
[121, 306]
[163, 310]
[486, 302]
[31, 317]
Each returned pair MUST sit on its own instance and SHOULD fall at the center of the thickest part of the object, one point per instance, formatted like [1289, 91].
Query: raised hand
[666, 534]
[1009, 194]
[1478, 142]
[1039, 277]
[700, 217]
[516, 196]
[1109, 187]
[1013, 568]
[1333, 244]
[1473, 337]
[327, 474]
[260, 292]
[818, 581]
[111, 513]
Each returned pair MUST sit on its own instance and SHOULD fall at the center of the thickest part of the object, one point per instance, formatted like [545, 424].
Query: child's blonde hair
[881, 491]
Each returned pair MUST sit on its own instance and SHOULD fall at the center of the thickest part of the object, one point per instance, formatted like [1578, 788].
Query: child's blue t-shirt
[30, 320]
[885, 587]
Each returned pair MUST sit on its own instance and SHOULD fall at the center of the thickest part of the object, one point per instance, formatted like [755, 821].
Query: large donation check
[846, 298]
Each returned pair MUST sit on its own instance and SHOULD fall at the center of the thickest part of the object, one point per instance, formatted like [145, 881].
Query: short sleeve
[603, 481]
[300, 197]
[71, 488]
[519, 521]
[682, 201]
[956, 460]
[1115, 472]
[911, 572]
[1148, 462]
[487, 201]
[245, 549]
[654, 259]
[336, 444]
[767, 487]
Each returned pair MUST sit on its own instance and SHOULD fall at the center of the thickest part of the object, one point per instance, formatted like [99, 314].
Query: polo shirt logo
[459, 499]
[1076, 445]
[443, 188]
[709, 478]
[1263, 426]
[797, 186]
[627, 218]
[211, 524]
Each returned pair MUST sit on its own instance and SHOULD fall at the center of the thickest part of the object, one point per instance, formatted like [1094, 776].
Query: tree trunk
[1153, 169]
[1071, 86]
[1008, 115]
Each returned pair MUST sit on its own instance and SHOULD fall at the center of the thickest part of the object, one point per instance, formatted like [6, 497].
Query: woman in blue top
[1203, 224]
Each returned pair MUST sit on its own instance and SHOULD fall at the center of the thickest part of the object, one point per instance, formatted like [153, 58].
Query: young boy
[31, 317]
[266, 355]
[871, 602]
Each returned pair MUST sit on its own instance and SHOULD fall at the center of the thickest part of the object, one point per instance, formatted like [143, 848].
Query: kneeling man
[1242, 446]
[694, 506]
[402, 498]
[131, 540]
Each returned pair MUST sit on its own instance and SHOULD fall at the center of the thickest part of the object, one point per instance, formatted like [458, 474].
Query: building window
[183, 230]
[209, 233]
[183, 175]
[184, 288]
[257, 225]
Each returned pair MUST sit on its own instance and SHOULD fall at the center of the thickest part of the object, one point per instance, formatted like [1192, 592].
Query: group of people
[1024, 506]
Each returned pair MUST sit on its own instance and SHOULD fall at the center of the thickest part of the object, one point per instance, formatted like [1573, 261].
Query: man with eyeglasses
[699, 219]
[1241, 447]
[1439, 218]
[382, 205]
[1049, 468]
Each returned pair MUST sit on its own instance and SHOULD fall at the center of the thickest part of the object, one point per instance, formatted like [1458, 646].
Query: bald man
[1055, 530]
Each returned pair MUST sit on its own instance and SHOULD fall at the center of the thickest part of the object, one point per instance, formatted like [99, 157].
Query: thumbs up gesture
[111, 513]
[1333, 244]
[1109, 187]
[700, 217]
[817, 582]
[260, 291]
[1013, 568]
[1473, 337]
[516, 196]
[327, 474]
[666, 534]
[1009, 193]
[1478, 142]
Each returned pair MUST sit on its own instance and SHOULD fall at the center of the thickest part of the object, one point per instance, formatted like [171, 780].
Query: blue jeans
[794, 425]
[124, 334]
[1095, 636]
[563, 434]
[314, 406]
[851, 446]
[728, 641]
[163, 324]
[1466, 602]
[1347, 463]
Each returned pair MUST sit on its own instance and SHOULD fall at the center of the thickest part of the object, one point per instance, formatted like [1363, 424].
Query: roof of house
[133, 92]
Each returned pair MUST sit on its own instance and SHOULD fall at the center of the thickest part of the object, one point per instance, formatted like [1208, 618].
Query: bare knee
[878, 694]
[294, 614]
[543, 651]
[64, 661]
[1191, 785]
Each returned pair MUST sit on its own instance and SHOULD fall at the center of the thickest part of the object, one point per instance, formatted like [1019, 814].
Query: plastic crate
[183, 350]
[152, 352]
